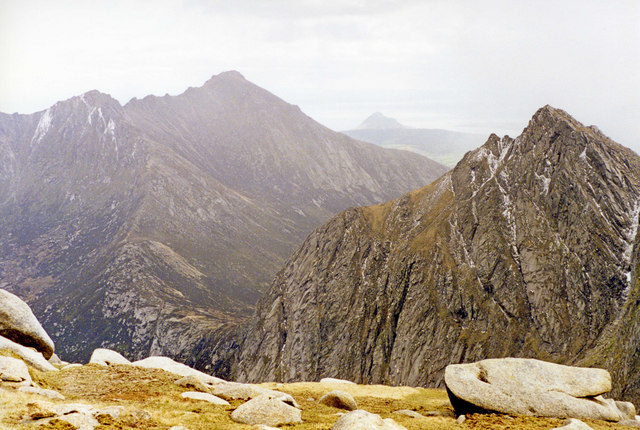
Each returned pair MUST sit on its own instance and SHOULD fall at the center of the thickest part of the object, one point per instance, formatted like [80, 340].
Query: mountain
[444, 146]
[529, 247]
[378, 121]
[149, 226]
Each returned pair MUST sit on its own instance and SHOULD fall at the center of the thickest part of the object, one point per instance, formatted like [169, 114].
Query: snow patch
[545, 182]
[583, 154]
[43, 126]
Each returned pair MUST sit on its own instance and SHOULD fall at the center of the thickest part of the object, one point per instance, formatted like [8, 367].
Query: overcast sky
[479, 66]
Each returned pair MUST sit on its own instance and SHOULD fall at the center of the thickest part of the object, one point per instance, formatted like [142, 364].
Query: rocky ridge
[527, 248]
[147, 227]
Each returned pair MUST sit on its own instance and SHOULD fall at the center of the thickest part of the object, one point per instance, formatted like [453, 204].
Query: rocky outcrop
[31, 357]
[527, 248]
[19, 324]
[530, 387]
[363, 420]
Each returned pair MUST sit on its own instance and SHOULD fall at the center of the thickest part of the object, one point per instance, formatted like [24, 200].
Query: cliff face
[145, 227]
[527, 248]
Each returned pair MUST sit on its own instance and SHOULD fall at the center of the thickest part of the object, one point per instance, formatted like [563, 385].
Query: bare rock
[169, 365]
[192, 383]
[52, 394]
[80, 420]
[14, 370]
[363, 420]
[573, 424]
[627, 410]
[195, 395]
[266, 410]
[339, 399]
[408, 413]
[518, 386]
[107, 357]
[31, 357]
[335, 381]
[461, 419]
[71, 366]
[20, 325]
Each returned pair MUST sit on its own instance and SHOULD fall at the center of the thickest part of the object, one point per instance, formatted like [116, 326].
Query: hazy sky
[481, 66]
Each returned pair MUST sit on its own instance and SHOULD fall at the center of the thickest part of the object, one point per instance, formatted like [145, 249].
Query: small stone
[196, 395]
[192, 383]
[461, 419]
[408, 413]
[339, 399]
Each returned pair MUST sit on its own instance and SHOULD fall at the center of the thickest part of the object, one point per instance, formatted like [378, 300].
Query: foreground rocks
[267, 410]
[530, 387]
[363, 420]
[20, 325]
[339, 399]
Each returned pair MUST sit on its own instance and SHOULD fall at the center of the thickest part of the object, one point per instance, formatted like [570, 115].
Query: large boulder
[363, 420]
[339, 399]
[19, 324]
[30, 356]
[169, 365]
[518, 386]
[268, 410]
[107, 357]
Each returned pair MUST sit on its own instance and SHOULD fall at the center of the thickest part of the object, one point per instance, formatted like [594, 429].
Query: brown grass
[151, 400]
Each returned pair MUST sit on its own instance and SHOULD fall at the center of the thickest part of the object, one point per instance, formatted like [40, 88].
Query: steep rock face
[524, 249]
[147, 227]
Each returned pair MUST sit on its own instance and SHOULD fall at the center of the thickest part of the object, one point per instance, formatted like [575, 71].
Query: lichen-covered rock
[107, 357]
[519, 386]
[363, 420]
[339, 399]
[264, 409]
[20, 325]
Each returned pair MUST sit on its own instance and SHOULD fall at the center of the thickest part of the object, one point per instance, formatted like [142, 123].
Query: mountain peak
[230, 75]
[378, 121]
[548, 115]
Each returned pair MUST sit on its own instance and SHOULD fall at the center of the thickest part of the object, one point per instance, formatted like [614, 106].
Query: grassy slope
[138, 390]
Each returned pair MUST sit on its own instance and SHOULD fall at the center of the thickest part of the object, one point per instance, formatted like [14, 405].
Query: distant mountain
[528, 248]
[377, 121]
[444, 146]
[146, 227]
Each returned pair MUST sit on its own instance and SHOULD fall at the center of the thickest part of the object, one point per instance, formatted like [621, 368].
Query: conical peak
[228, 76]
[550, 116]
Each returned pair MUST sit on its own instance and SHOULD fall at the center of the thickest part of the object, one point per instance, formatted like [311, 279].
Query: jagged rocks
[363, 420]
[107, 357]
[20, 325]
[267, 410]
[530, 387]
[339, 399]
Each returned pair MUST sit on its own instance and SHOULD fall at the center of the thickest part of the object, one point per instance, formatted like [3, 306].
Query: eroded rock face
[528, 247]
[19, 324]
[530, 387]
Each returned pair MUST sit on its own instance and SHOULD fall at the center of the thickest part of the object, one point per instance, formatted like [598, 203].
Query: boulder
[14, 370]
[518, 386]
[169, 365]
[363, 420]
[31, 357]
[80, 421]
[52, 394]
[627, 410]
[573, 424]
[335, 381]
[107, 357]
[339, 399]
[196, 395]
[267, 410]
[235, 390]
[408, 413]
[192, 383]
[20, 325]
